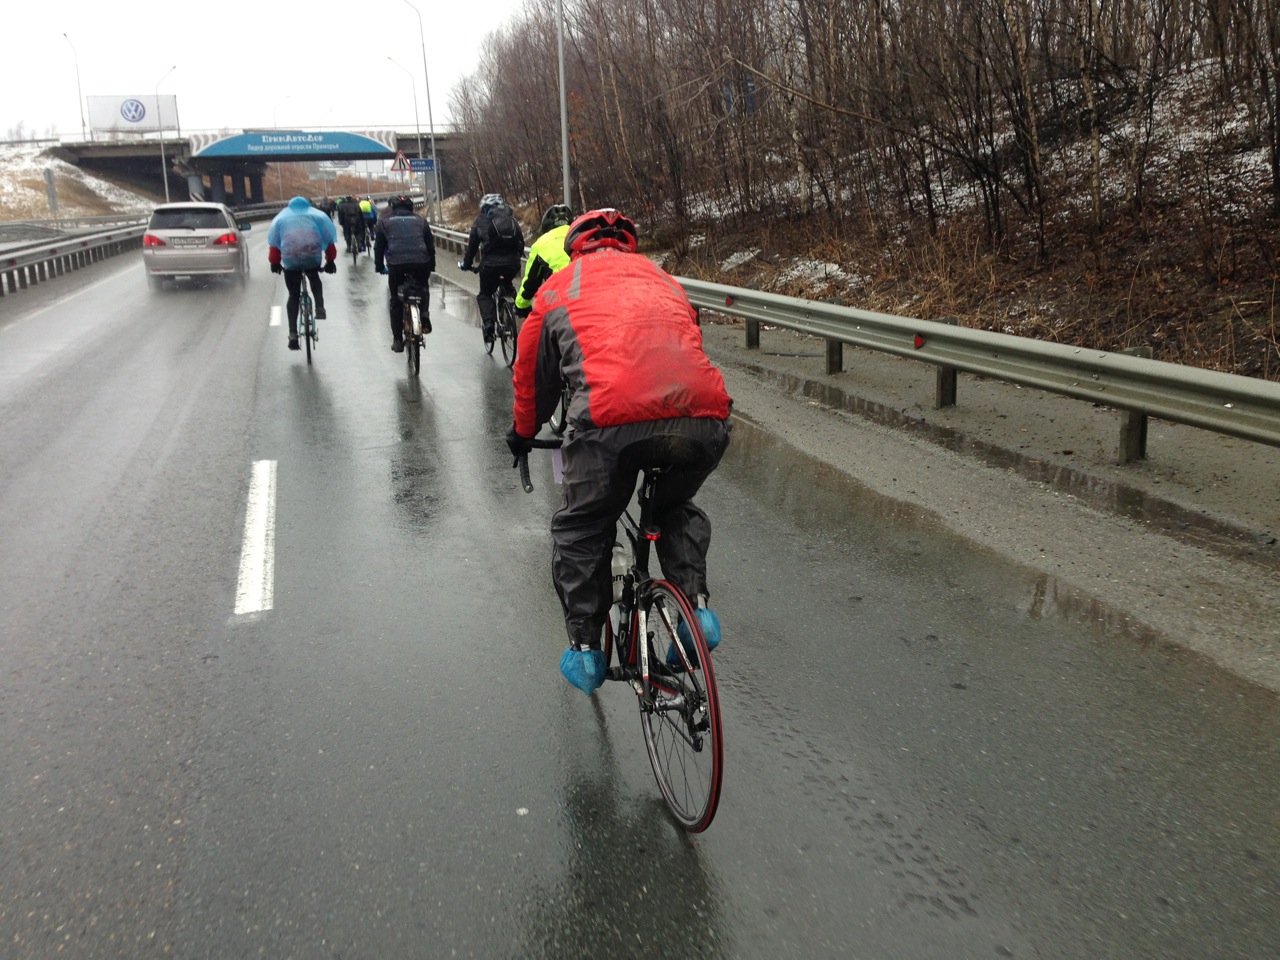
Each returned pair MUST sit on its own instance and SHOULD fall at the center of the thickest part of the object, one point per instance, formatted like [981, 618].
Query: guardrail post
[944, 392]
[835, 356]
[1133, 423]
[753, 334]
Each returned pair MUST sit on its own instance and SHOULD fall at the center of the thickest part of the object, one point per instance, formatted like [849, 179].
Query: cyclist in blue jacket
[299, 241]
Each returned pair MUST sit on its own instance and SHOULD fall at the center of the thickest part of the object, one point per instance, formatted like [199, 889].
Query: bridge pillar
[237, 189]
[217, 188]
[195, 186]
[255, 189]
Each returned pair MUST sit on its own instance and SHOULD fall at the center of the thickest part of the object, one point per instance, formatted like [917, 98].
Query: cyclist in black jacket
[404, 247]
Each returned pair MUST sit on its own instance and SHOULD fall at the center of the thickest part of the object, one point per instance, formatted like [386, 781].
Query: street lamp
[278, 166]
[164, 167]
[435, 165]
[564, 106]
[79, 94]
[414, 87]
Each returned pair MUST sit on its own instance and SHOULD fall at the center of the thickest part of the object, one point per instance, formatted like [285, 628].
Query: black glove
[464, 267]
[276, 268]
[522, 312]
[330, 267]
[518, 445]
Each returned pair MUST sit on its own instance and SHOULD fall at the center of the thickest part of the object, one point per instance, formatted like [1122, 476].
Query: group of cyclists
[620, 332]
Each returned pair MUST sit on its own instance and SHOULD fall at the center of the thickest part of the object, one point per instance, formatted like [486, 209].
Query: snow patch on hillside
[23, 194]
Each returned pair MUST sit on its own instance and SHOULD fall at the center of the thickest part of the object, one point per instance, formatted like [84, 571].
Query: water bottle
[620, 563]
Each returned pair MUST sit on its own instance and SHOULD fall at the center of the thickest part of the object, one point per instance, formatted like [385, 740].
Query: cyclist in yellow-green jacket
[546, 255]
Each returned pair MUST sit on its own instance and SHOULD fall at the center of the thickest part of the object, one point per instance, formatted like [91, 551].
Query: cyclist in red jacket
[624, 336]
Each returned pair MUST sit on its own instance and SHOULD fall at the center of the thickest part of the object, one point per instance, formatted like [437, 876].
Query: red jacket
[622, 333]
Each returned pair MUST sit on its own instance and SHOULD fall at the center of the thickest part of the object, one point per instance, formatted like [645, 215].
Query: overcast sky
[242, 63]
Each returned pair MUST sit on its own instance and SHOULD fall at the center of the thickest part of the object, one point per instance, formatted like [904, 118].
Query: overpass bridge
[230, 166]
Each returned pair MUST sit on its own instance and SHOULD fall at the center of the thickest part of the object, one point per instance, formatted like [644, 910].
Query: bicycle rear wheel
[507, 330]
[306, 333]
[680, 711]
[412, 340]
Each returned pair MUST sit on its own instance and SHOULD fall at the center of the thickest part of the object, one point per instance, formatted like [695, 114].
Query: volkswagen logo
[133, 110]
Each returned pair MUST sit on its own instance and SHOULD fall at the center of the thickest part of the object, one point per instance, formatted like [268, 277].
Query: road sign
[400, 164]
[420, 164]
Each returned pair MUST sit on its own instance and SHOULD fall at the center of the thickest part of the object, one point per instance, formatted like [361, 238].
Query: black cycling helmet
[491, 200]
[557, 215]
[401, 202]
[605, 229]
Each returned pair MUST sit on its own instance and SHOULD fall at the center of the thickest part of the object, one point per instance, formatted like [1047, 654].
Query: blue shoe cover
[584, 669]
[710, 624]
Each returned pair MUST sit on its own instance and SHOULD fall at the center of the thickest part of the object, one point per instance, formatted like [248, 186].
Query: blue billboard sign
[295, 143]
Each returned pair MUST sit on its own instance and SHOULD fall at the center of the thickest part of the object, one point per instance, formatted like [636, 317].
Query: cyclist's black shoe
[320, 314]
[488, 334]
[585, 669]
[397, 345]
[293, 343]
[710, 624]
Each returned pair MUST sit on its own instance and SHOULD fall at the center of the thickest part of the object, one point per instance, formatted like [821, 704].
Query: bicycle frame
[641, 534]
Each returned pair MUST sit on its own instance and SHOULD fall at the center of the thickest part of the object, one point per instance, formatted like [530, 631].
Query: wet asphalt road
[919, 762]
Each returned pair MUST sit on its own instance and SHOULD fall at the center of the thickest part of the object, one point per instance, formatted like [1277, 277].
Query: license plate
[188, 241]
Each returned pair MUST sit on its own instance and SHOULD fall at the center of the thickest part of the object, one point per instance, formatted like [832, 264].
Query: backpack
[504, 231]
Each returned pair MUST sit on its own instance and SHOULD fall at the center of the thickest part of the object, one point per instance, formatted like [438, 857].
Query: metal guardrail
[1141, 387]
[62, 223]
[30, 265]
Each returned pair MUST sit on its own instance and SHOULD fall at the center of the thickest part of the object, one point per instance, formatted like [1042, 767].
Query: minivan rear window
[196, 218]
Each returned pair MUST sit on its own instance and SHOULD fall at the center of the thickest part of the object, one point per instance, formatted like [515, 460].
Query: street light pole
[164, 167]
[564, 107]
[435, 165]
[279, 168]
[79, 93]
[414, 87]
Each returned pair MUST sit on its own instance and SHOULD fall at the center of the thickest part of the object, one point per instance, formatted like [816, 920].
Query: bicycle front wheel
[680, 710]
[560, 418]
[507, 330]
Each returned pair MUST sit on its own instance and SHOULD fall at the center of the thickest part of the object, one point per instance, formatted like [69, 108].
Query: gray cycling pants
[601, 468]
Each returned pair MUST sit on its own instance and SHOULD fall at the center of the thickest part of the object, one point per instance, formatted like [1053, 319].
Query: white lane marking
[275, 316]
[255, 590]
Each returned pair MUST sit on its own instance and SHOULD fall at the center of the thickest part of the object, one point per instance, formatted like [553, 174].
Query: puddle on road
[1155, 513]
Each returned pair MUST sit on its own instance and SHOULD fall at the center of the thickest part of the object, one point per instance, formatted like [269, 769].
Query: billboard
[133, 114]
[295, 144]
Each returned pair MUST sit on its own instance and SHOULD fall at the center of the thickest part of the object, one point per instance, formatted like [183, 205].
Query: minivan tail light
[226, 240]
[151, 240]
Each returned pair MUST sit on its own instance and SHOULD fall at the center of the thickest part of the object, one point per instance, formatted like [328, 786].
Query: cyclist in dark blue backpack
[403, 248]
[497, 237]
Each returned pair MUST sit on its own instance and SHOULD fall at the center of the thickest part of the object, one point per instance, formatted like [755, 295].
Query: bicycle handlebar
[524, 460]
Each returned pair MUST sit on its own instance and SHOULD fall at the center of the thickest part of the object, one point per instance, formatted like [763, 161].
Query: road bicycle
[359, 244]
[307, 329]
[416, 322]
[505, 331]
[674, 682]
